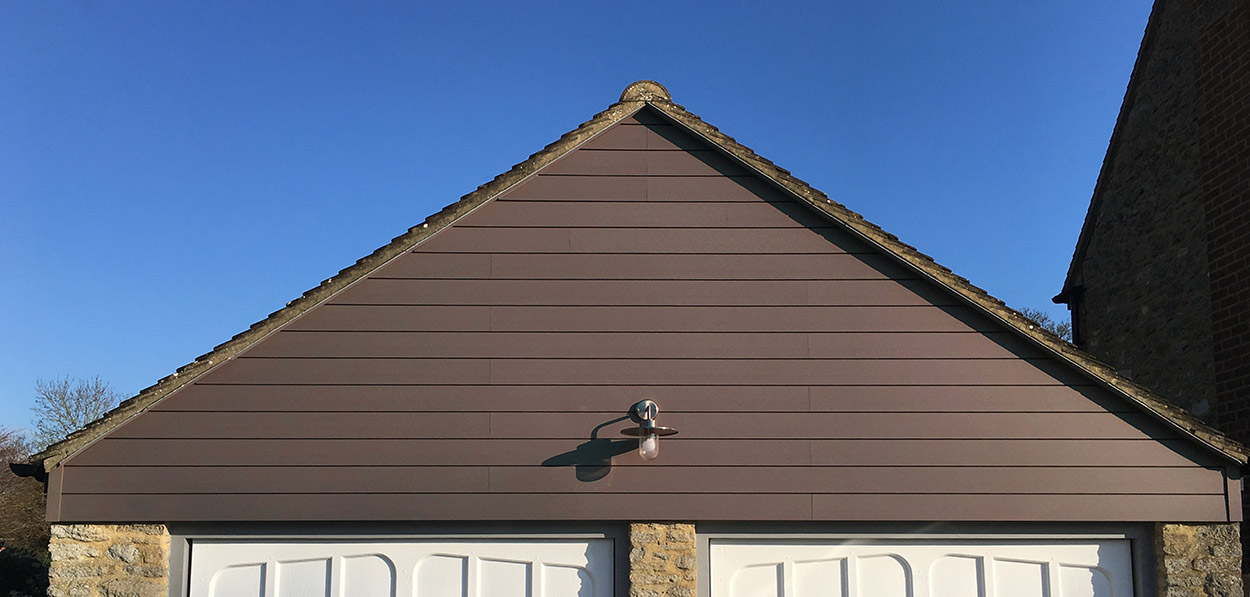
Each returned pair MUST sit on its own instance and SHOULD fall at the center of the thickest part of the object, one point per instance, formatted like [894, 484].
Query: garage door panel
[244, 581]
[1026, 579]
[882, 575]
[959, 568]
[761, 580]
[372, 574]
[1084, 581]
[303, 578]
[503, 568]
[441, 572]
[567, 580]
[957, 576]
[504, 578]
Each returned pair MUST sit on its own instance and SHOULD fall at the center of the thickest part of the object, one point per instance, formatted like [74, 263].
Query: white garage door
[938, 569]
[503, 568]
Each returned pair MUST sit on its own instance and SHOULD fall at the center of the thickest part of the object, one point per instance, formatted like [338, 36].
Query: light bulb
[649, 446]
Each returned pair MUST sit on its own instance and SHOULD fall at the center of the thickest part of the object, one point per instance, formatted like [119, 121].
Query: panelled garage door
[916, 569]
[499, 568]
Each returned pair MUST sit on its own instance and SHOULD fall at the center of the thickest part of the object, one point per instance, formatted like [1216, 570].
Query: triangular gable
[722, 158]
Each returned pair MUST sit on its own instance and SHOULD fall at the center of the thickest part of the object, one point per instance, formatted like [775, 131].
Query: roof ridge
[635, 97]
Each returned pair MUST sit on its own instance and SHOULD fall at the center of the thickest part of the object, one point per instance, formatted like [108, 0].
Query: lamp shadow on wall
[592, 460]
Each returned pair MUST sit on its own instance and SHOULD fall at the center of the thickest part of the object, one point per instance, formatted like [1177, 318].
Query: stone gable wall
[1166, 273]
[127, 560]
[1144, 306]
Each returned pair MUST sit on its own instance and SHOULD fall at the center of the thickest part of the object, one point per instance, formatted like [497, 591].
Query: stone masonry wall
[1145, 306]
[1166, 274]
[662, 560]
[1198, 560]
[130, 560]
[1192, 560]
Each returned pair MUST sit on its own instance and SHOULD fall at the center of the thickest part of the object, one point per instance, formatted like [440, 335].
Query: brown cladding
[483, 376]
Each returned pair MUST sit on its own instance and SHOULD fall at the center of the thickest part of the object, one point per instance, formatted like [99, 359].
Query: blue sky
[171, 172]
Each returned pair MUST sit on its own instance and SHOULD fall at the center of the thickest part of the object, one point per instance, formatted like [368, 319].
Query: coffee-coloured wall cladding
[483, 374]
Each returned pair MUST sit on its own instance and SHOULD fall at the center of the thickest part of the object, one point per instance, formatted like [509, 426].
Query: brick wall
[1223, 76]
[1145, 303]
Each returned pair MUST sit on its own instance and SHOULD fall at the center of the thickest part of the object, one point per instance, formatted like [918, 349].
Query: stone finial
[645, 91]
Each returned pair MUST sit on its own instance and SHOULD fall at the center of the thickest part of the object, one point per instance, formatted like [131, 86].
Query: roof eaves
[1160, 409]
[53, 455]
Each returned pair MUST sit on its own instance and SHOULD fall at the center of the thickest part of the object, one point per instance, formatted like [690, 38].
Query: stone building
[483, 407]
[1160, 281]
[1159, 285]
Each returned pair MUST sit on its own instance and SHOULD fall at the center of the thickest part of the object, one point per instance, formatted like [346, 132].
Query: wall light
[648, 433]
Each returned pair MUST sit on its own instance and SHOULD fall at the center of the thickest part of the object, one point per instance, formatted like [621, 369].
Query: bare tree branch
[23, 532]
[1063, 329]
[64, 405]
[21, 500]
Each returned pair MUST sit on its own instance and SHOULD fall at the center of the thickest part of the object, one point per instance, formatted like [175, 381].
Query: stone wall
[1192, 560]
[1145, 305]
[1165, 276]
[130, 560]
[1198, 560]
[662, 560]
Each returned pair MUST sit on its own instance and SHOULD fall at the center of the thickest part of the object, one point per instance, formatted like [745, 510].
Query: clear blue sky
[171, 172]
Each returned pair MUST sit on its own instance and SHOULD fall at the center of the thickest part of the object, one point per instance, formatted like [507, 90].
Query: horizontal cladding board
[640, 345]
[503, 398]
[408, 507]
[787, 425]
[747, 188]
[650, 479]
[780, 371]
[668, 293]
[621, 214]
[678, 451]
[314, 371]
[610, 506]
[1110, 508]
[405, 318]
[636, 135]
[662, 241]
[624, 136]
[614, 162]
[559, 266]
